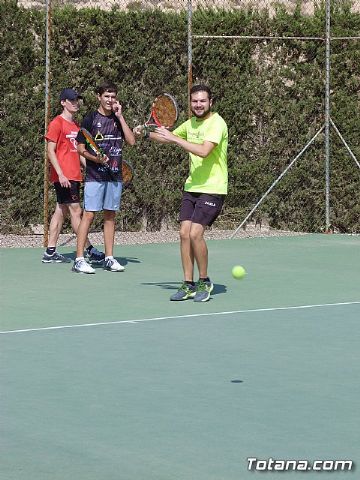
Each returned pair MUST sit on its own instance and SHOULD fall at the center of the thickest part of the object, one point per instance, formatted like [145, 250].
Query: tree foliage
[271, 94]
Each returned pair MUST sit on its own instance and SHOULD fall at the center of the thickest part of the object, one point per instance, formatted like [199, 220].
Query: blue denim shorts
[100, 196]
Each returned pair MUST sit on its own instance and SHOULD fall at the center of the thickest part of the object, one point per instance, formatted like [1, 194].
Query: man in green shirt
[205, 137]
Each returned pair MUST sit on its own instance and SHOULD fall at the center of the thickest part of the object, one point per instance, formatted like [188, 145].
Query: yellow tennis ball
[238, 272]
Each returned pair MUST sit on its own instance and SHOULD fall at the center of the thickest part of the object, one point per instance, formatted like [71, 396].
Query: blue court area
[103, 378]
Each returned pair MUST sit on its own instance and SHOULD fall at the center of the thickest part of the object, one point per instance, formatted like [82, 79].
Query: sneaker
[113, 265]
[185, 291]
[95, 256]
[55, 258]
[81, 266]
[203, 290]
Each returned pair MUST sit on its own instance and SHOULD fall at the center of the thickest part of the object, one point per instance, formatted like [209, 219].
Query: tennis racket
[127, 172]
[126, 169]
[164, 112]
[90, 142]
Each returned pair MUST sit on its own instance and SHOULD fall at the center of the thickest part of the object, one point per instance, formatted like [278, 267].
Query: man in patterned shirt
[103, 183]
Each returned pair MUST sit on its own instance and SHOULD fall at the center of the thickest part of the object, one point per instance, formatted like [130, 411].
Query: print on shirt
[109, 137]
[72, 138]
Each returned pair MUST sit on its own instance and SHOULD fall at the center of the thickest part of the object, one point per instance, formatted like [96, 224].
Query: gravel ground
[138, 238]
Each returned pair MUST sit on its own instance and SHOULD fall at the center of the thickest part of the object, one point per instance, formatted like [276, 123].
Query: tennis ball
[238, 272]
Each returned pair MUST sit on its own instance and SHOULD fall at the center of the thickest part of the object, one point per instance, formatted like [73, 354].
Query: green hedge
[271, 93]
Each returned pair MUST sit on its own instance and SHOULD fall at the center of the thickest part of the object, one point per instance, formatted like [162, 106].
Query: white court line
[193, 315]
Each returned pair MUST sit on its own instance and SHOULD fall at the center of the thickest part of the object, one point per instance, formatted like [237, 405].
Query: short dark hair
[106, 87]
[201, 88]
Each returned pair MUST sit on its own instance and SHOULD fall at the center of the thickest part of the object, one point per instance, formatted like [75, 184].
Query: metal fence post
[189, 41]
[46, 121]
[327, 119]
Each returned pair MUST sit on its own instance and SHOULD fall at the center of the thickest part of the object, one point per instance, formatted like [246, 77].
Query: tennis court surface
[103, 378]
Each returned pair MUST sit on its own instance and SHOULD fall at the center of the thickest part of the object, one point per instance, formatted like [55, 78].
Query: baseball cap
[69, 94]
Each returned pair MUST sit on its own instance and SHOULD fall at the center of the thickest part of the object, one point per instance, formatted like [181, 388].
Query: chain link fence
[319, 44]
[307, 7]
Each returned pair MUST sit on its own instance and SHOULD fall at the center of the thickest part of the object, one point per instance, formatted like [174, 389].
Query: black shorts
[67, 195]
[202, 208]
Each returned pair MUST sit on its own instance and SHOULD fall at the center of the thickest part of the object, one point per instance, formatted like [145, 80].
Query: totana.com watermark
[271, 464]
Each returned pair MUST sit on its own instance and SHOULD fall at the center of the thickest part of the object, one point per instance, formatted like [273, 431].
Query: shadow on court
[218, 288]
[123, 260]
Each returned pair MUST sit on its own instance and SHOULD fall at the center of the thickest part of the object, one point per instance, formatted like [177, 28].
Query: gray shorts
[202, 208]
[100, 196]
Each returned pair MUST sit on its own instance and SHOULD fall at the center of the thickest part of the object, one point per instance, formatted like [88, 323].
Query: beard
[201, 115]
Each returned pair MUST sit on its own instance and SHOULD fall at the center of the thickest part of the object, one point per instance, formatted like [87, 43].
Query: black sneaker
[55, 258]
[95, 256]
[185, 291]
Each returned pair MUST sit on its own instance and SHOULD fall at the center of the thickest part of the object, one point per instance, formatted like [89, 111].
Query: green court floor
[103, 378]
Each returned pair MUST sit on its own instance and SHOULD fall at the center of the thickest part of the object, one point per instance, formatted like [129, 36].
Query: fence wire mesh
[267, 67]
[307, 7]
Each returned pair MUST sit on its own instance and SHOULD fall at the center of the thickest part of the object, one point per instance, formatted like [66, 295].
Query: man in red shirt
[65, 174]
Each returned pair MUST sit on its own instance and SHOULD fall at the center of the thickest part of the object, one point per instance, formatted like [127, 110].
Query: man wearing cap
[65, 174]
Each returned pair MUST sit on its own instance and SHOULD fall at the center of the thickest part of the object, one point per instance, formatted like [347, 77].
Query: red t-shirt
[64, 133]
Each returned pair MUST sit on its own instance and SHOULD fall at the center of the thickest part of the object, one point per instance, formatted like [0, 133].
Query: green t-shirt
[209, 174]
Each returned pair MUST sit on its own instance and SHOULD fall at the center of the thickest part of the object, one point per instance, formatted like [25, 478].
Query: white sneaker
[81, 266]
[113, 265]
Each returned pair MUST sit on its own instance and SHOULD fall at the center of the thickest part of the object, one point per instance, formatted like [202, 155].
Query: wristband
[146, 133]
